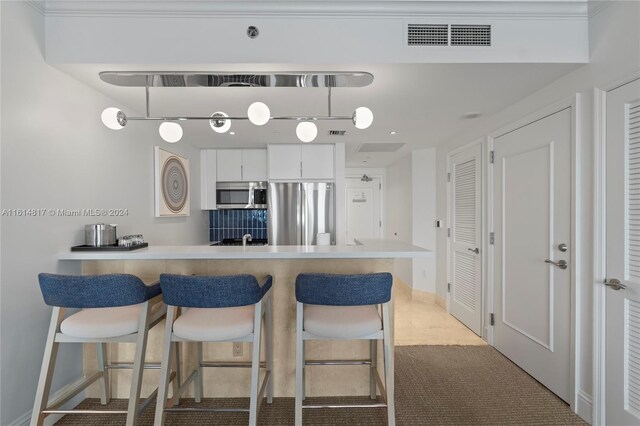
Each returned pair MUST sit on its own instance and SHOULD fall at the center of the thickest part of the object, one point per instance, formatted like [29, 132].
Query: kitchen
[56, 153]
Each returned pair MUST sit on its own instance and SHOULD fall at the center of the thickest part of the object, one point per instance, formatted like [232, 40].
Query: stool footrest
[338, 362]
[129, 365]
[224, 410]
[381, 405]
[84, 411]
[75, 389]
[231, 364]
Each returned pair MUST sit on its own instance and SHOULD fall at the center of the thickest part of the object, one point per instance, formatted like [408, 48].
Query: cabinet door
[229, 165]
[208, 179]
[254, 165]
[317, 162]
[284, 162]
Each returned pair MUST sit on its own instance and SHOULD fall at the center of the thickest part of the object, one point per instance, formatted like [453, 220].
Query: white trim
[569, 10]
[52, 419]
[599, 246]
[584, 406]
[483, 229]
[575, 262]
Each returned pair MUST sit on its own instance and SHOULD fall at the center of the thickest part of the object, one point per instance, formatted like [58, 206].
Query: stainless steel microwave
[241, 195]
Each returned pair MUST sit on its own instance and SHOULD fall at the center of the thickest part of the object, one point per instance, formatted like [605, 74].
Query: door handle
[475, 250]
[562, 264]
[615, 284]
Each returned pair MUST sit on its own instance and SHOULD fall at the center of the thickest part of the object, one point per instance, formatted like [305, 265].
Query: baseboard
[585, 406]
[52, 419]
[23, 420]
[440, 301]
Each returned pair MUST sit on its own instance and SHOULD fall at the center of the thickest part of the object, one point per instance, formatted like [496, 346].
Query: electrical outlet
[237, 348]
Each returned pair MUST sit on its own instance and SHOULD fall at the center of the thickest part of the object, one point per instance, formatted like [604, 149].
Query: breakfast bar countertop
[365, 249]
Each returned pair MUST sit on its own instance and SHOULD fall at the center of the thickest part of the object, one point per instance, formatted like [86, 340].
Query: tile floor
[419, 321]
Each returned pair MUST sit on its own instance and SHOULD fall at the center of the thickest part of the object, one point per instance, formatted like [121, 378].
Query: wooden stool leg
[299, 364]
[165, 368]
[178, 379]
[199, 379]
[255, 365]
[388, 365]
[138, 364]
[269, 348]
[46, 371]
[373, 352]
[105, 389]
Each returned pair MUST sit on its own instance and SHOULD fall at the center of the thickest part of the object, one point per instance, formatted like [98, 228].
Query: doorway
[532, 223]
[364, 220]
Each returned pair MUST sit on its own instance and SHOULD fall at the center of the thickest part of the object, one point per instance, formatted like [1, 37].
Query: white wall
[423, 188]
[57, 154]
[398, 212]
[615, 54]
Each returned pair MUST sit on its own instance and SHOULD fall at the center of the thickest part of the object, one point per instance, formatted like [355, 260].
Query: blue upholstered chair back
[344, 290]
[194, 291]
[95, 291]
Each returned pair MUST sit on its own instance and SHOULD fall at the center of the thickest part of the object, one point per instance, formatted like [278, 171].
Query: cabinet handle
[301, 169]
[241, 172]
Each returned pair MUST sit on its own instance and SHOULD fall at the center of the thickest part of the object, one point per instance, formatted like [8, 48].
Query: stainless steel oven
[241, 195]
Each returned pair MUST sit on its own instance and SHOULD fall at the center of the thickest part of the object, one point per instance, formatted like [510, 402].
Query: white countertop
[369, 249]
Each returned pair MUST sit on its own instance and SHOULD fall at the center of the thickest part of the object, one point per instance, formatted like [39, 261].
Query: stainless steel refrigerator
[299, 211]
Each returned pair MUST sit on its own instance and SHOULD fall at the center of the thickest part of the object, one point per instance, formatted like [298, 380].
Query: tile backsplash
[234, 223]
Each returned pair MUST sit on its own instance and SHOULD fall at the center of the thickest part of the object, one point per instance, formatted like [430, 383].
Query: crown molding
[37, 5]
[513, 9]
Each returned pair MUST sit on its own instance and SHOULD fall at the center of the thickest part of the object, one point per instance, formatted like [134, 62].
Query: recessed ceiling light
[232, 133]
[393, 132]
[470, 115]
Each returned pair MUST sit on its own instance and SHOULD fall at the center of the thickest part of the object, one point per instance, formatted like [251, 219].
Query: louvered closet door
[623, 255]
[465, 220]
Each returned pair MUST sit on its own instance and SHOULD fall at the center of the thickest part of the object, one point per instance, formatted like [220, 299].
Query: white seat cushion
[102, 322]
[215, 324]
[342, 322]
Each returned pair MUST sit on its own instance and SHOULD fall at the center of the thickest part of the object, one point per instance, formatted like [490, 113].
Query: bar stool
[114, 308]
[220, 309]
[345, 307]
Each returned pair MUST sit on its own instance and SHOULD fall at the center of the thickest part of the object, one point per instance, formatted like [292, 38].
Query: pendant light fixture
[258, 113]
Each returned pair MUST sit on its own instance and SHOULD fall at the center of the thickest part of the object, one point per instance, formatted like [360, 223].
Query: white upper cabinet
[237, 165]
[229, 165]
[301, 162]
[208, 165]
[317, 162]
[254, 165]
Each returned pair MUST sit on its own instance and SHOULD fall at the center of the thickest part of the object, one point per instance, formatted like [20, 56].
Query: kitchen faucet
[245, 238]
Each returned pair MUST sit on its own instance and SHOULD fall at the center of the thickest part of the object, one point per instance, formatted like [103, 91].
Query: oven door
[233, 195]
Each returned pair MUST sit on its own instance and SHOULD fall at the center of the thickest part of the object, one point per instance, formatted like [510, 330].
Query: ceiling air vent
[471, 35]
[427, 35]
[380, 147]
[337, 132]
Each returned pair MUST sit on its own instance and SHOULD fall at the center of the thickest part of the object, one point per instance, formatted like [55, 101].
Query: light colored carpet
[435, 385]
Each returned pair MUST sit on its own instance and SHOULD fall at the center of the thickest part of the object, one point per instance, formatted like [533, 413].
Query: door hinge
[380, 186]
[491, 157]
[492, 238]
[448, 287]
[380, 223]
[492, 319]
[448, 177]
[448, 232]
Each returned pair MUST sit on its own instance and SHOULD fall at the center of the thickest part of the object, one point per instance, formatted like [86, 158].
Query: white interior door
[532, 218]
[363, 209]
[465, 198]
[623, 255]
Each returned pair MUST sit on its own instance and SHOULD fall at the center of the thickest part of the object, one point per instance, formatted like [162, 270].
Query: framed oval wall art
[172, 184]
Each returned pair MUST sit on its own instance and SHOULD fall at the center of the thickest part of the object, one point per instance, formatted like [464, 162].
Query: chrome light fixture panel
[236, 79]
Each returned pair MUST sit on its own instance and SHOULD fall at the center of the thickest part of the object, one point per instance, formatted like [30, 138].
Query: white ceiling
[423, 103]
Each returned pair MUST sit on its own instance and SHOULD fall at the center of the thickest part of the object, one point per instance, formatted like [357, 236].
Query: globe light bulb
[258, 113]
[362, 117]
[306, 131]
[113, 118]
[218, 125]
[170, 131]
